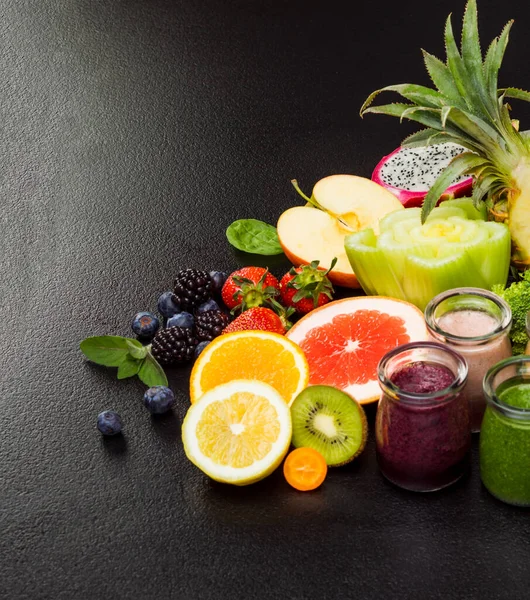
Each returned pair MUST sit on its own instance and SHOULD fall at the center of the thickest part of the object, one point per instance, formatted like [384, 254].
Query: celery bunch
[415, 262]
[518, 297]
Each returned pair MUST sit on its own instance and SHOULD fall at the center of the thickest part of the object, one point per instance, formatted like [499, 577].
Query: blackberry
[192, 288]
[174, 345]
[210, 324]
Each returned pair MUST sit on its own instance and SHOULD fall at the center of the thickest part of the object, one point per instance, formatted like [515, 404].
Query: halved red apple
[347, 204]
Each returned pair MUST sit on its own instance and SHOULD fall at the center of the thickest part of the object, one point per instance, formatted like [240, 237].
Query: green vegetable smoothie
[505, 444]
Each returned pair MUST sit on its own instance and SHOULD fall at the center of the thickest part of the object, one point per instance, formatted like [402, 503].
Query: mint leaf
[106, 350]
[151, 373]
[254, 237]
[129, 367]
[136, 350]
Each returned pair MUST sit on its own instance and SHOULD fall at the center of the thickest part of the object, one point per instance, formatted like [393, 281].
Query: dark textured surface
[133, 133]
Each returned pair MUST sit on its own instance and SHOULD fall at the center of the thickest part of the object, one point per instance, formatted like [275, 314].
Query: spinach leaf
[254, 237]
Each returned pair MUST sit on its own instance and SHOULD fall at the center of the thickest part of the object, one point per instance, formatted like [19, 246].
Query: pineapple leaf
[445, 113]
[463, 79]
[472, 57]
[454, 60]
[396, 109]
[515, 93]
[477, 129]
[432, 118]
[506, 121]
[460, 165]
[435, 137]
[486, 170]
[525, 136]
[419, 138]
[494, 57]
[419, 94]
[481, 188]
[426, 116]
[442, 79]
[428, 137]
[471, 54]
[440, 137]
[488, 69]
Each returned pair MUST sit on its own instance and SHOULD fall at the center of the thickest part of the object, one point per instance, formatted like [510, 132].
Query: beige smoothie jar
[475, 323]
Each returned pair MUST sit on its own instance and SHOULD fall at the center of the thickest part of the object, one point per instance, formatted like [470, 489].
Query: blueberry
[109, 422]
[218, 278]
[159, 399]
[183, 319]
[208, 305]
[145, 324]
[199, 348]
[167, 304]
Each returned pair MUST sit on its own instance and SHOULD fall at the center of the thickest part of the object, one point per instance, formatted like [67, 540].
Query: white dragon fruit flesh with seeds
[410, 172]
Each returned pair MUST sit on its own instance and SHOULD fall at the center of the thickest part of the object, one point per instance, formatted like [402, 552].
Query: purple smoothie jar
[422, 425]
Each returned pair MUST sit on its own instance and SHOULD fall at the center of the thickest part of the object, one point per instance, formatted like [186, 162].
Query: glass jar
[505, 435]
[422, 437]
[476, 324]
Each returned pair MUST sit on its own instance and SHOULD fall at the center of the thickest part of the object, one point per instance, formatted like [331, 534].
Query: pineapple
[468, 108]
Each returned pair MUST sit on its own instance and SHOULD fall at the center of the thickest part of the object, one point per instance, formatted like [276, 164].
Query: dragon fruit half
[410, 172]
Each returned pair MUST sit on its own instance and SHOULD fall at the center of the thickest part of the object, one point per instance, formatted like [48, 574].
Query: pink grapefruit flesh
[344, 340]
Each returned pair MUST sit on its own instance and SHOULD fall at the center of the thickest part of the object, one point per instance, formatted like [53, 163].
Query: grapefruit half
[344, 340]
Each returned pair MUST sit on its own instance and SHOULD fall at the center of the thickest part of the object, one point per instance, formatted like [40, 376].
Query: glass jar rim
[394, 391]
[491, 395]
[439, 333]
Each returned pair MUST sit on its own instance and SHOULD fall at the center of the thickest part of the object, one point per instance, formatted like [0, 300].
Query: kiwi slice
[329, 421]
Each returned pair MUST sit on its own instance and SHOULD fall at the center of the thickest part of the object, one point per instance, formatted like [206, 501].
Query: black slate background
[133, 133]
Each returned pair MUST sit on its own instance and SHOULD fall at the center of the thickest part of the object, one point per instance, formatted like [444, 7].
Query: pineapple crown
[466, 108]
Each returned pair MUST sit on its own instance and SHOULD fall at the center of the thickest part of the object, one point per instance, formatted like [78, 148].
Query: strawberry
[259, 317]
[249, 287]
[306, 287]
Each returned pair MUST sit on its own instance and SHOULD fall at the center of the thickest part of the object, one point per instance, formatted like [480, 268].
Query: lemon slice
[238, 432]
[255, 355]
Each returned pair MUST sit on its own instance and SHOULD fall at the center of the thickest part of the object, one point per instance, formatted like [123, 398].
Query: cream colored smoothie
[475, 323]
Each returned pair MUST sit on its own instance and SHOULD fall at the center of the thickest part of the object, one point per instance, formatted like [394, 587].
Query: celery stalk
[493, 270]
[444, 212]
[398, 216]
[414, 261]
[425, 278]
[466, 204]
[370, 265]
[395, 252]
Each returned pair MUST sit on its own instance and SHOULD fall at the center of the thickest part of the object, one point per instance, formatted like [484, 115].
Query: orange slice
[252, 355]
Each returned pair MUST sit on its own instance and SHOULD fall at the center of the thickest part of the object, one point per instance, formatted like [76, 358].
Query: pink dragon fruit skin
[409, 197]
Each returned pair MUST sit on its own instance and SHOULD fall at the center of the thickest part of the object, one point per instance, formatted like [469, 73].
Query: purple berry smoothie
[423, 437]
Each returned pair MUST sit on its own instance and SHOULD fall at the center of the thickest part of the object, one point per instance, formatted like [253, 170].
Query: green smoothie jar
[505, 433]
